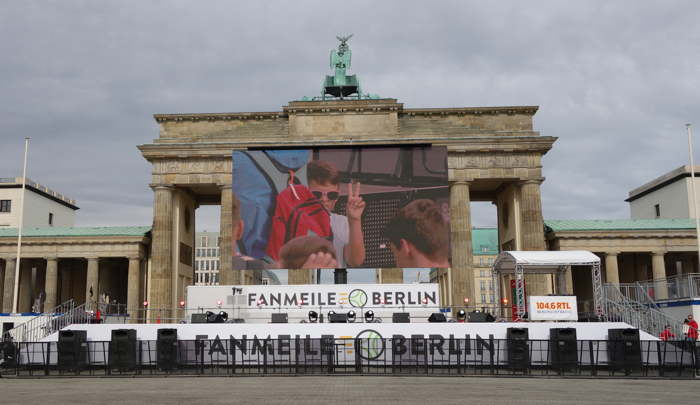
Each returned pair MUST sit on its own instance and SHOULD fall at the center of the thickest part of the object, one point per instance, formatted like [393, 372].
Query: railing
[434, 356]
[630, 304]
[674, 287]
[48, 322]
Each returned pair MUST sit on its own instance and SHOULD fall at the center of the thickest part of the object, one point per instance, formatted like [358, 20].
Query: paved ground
[338, 389]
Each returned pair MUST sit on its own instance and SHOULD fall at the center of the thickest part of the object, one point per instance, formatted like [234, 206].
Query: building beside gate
[43, 207]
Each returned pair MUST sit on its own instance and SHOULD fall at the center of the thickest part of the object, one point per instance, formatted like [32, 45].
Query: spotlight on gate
[369, 316]
[461, 315]
[182, 303]
[330, 313]
[313, 316]
[219, 303]
[352, 316]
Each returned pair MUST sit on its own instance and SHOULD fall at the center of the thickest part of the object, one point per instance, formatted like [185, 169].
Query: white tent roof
[506, 261]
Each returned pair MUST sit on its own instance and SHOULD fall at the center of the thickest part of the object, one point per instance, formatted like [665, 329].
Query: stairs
[48, 322]
[630, 303]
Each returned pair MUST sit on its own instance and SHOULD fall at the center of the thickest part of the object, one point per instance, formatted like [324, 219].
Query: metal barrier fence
[434, 356]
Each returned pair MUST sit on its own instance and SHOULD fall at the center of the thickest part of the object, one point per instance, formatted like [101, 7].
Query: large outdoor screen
[359, 207]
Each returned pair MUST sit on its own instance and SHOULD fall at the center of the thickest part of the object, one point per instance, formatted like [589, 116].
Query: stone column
[298, 276]
[658, 269]
[612, 274]
[161, 290]
[227, 275]
[133, 288]
[569, 277]
[461, 241]
[92, 282]
[392, 275]
[8, 293]
[532, 225]
[51, 283]
[532, 232]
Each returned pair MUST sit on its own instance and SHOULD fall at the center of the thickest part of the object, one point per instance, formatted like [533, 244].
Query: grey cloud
[615, 81]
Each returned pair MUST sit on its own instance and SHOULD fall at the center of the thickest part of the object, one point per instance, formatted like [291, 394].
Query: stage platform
[492, 330]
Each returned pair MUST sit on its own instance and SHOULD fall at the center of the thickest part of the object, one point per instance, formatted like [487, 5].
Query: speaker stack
[624, 349]
[166, 349]
[563, 352]
[72, 349]
[437, 317]
[338, 318]
[9, 354]
[401, 317]
[122, 349]
[518, 349]
[280, 318]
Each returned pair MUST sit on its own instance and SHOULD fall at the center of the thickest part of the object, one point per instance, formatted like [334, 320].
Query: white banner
[256, 303]
[553, 308]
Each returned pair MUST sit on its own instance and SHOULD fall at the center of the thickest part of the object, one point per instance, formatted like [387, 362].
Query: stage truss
[558, 263]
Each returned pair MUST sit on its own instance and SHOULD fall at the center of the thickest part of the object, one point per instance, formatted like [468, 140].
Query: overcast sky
[615, 81]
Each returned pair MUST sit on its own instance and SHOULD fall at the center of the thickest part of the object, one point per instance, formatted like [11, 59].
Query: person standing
[692, 328]
[667, 334]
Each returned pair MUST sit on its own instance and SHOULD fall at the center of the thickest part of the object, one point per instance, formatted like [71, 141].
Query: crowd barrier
[361, 356]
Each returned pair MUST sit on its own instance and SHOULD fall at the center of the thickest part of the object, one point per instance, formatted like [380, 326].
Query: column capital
[223, 187]
[658, 252]
[134, 257]
[537, 181]
[612, 252]
[161, 186]
[91, 258]
[460, 182]
[50, 257]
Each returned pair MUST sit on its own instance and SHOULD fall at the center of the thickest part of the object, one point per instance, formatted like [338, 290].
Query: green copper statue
[341, 85]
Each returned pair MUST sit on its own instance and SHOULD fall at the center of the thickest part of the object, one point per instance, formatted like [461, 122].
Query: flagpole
[19, 228]
[692, 188]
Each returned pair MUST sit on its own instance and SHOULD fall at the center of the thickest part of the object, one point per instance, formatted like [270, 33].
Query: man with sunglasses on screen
[348, 241]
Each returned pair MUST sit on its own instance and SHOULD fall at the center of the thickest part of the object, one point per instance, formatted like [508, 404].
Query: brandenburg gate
[494, 154]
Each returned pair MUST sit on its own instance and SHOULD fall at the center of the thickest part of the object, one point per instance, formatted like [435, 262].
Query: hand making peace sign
[356, 205]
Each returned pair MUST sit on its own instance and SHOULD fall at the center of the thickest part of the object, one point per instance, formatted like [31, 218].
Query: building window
[50, 218]
[205, 241]
[657, 210]
[481, 261]
[483, 285]
[483, 298]
[5, 205]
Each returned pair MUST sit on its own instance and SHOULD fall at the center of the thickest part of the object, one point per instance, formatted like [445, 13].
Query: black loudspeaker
[624, 348]
[338, 318]
[122, 349]
[166, 349]
[563, 352]
[475, 316]
[518, 349]
[437, 317]
[199, 318]
[9, 354]
[401, 317]
[280, 318]
[72, 349]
